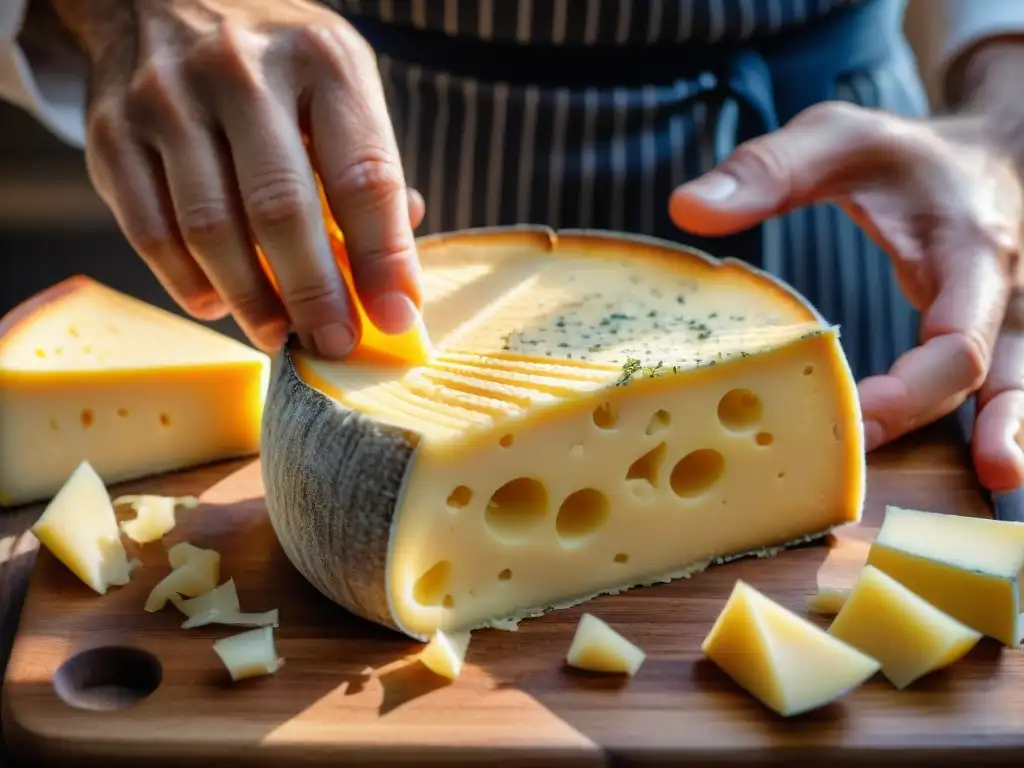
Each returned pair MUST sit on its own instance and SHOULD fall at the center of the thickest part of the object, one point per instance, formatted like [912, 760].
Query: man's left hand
[946, 203]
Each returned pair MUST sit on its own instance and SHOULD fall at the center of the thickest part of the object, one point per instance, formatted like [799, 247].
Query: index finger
[958, 333]
[357, 159]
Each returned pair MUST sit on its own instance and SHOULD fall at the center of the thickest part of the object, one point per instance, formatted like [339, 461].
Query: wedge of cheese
[79, 528]
[597, 647]
[87, 372]
[906, 633]
[785, 661]
[598, 412]
[445, 654]
[968, 567]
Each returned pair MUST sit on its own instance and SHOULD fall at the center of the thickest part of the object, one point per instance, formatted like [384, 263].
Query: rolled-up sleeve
[941, 30]
[47, 79]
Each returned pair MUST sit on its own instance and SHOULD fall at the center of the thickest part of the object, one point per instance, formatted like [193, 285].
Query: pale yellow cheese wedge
[154, 515]
[194, 572]
[249, 654]
[828, 601]
[597, 647]
[785, 661]
[906, 633]
[79, 528]
[968, 567]
[220, 606]
[445, 654]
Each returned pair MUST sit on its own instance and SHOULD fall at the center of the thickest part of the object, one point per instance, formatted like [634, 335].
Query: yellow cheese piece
[597, 647]
[906, 633]
[599, 412]
[154, 515]
[968, 567]
[785, 661]
[445, 654]
[828, 600]
[79, 528]
[87, 372]
[194, 572]
[249, 654]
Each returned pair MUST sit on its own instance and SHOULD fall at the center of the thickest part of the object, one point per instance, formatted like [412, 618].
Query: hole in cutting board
[108, 678]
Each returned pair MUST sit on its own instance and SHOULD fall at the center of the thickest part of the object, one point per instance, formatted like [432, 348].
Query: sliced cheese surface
[446, 653]
[597, 413]
[597, 647]
[79, 528]
[87, 372]
[906, 633]
[968, 567]
[828, 600]
[788, 663]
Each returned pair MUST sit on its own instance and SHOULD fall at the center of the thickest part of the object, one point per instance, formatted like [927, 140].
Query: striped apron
[587, 114]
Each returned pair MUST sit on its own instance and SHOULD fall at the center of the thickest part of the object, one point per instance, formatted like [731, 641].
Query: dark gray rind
[333, 481]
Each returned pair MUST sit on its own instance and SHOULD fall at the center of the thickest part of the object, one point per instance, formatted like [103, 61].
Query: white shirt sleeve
[50, 84]
[941, 30]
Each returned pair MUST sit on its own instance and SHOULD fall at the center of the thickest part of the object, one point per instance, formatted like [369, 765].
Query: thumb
[818, 155]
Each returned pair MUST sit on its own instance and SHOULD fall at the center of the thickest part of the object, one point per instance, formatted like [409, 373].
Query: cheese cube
[906, 633]
[782, 659]
[79, 528]
[596, 414]
[599, 648]
[446, 653]
[87, 372]
[968, 567]
[249, 654]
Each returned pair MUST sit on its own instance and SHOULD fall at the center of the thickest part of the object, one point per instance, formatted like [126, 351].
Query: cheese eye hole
[516, 508]
[506, 441]
[621, 557]
[605, 416]
[165, 420]
[739, 410]
[838, 431]
[460, 497]
[808, 370]
[648, 466]
[659, 421]
[505, 574]
[87, 418]
[696, 472]
[581, 515]
[432, 586]
[764, 439]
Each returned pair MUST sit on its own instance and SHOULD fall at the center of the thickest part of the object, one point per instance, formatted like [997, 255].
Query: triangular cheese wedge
[967, 567]
[597, 413]
[788, 663]
[87, 372]
[597, 647]
[906, 633]
[79, 528]
[445, 653]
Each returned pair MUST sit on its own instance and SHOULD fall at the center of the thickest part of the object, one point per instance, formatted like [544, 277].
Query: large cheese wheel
[600, 411]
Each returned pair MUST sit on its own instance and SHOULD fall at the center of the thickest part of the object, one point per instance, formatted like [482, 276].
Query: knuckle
[832, 113]
[313, 295]
[760, 158]
[206, 226]
[153, 241]
[332, 48]
[369, 182]
[154, 99]
[278, 200]
[224, 58]
[104, 133]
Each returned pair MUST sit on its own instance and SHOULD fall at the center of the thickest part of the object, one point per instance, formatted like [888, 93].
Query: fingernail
[334, 340]
[873, 435]
[394, 312]
[713, 187]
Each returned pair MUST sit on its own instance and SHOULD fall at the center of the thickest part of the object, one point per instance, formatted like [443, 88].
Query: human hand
[946, 203]
[196, 140]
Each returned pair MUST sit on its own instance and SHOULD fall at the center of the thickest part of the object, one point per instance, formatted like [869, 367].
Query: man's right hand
[197, 114]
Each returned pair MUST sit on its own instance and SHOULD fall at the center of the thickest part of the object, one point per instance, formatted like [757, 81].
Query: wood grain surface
[350, 694]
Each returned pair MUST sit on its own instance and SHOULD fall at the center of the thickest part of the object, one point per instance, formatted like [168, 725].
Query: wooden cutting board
[348, 692]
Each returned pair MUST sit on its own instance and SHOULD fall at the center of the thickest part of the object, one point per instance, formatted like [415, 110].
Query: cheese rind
[87, 372]
[967, 567]
[445, 654]
[906, 633]
[785, 661]
[596, 647]
[79, 528]
[523, 468]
